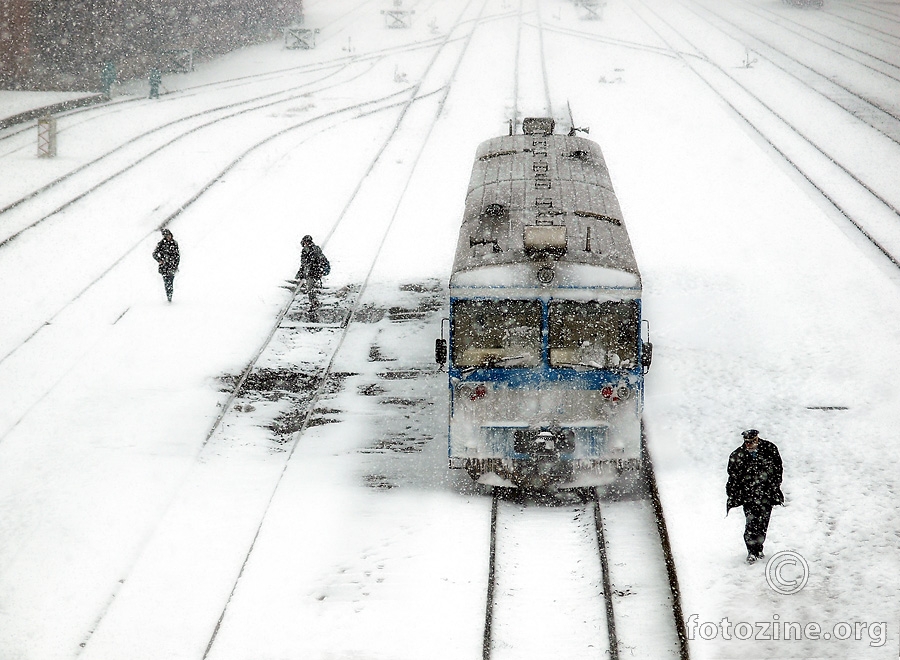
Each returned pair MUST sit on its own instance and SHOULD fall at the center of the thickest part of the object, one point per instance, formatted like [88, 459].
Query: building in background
[67, 45]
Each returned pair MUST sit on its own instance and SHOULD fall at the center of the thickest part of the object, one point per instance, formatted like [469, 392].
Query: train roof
[539, 201]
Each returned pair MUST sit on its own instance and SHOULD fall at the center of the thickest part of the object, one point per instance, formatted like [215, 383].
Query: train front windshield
[497, 333]
[593, 335]
[581, 335]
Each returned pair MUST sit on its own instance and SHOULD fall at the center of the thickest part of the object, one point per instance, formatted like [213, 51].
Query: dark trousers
[757, 516]
[169, 283]
[313, 285]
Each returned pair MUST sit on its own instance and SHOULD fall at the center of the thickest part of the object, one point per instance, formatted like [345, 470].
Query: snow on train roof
[542, 181]
[568, 277]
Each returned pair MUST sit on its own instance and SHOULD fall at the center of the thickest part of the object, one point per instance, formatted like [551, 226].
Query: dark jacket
[166, 253]
[313, 264]
[754, 479]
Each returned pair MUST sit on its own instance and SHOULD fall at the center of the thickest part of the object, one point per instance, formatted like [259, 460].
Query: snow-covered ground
[125, 521]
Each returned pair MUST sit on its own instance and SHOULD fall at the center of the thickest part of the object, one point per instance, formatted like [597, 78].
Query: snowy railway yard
[232, 477]
[588, 568]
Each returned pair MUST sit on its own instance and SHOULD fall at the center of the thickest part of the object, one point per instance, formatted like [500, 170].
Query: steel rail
[607, 583]
[134, 163]
[672, 574]
[892, 65]
[876, 12]
[830, 197]
[221, 84]
[593, 501]
[873, 105]
[200, 127]
[355, 306]
[492, 576]
[182, 207]
[868, 30]
[244, 374]
[548, 102]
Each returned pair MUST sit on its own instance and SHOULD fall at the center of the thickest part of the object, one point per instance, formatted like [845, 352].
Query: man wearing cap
[754, 482]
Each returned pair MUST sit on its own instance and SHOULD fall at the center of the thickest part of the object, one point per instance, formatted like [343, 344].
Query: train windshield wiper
[492, 362]
[509, 358]
[573, 365]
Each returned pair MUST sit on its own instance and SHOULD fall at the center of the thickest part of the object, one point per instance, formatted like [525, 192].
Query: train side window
[593, 335]
[496, 333]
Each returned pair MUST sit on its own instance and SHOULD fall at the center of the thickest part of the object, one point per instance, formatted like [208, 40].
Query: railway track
[623, 531]
[575, 574]
[21, 332]
[846, 180]
[400, 106]
[866, 57]
[581, 575]
[849, 92]
[331, 31]
[547, 586]
[91, 175]
[874, 10]
[330, 335]
[254, 93]
[71, 199]
[866, 29]
[531, 86]
[78, 281]
[66, 190]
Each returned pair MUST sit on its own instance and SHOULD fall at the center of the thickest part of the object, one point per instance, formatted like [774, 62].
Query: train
[546, 349]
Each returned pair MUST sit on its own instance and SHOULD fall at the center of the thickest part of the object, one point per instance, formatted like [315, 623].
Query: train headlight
[545, 275]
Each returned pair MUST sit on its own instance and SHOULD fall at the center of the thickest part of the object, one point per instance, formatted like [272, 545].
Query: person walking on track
[313, 267]
[167, 255]
[754, 482]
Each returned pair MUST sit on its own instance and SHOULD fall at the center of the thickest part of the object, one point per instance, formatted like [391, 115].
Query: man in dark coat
[754, 482]
[166, 253]
[313, 267]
